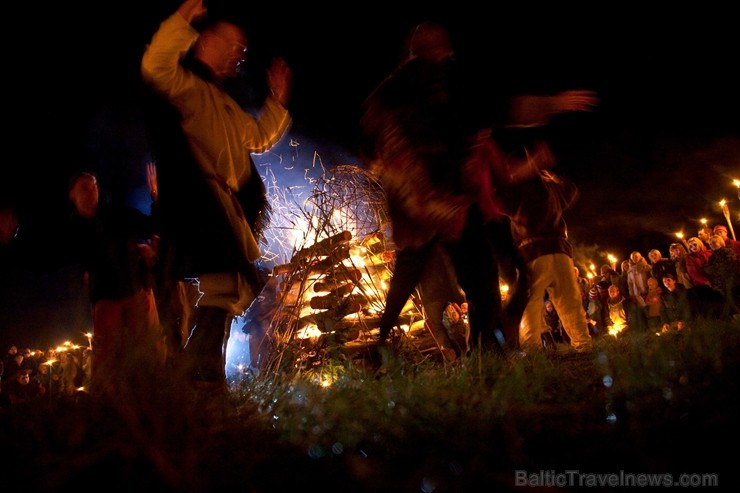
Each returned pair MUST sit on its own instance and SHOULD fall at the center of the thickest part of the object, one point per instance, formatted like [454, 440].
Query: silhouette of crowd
[33, 377]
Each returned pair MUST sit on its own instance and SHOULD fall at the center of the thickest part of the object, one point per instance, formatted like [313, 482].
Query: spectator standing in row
[15, 364]
[637, 277]
[660, 266]
[609, 275]
[696, 261]
[623, 281]
[678, 254]
[113, 247]
[723, 270]
[704, 233]
[675, 313]
[730, 243]
[705, 300]
[21, 389]
[653, 305]
[617, 311]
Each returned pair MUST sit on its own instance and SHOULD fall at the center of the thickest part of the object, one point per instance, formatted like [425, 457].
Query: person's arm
[279, 78]
[151, 180]
[531, 111]
[264, 131]
[274, 119]
[193, 11]
[160, 65]
[508, 170]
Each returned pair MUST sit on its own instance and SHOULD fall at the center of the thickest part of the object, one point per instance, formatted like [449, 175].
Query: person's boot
[204, 349]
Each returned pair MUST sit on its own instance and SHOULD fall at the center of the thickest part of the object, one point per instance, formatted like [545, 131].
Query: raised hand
[193, 10]
[151, 179]
[279, 79]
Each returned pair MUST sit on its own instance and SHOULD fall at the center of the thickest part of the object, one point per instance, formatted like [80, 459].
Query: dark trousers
[205, 350]
[407, 273]
[474, 260]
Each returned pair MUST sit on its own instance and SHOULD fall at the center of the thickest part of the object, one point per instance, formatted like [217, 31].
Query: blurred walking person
[418, 144]
[536, 200]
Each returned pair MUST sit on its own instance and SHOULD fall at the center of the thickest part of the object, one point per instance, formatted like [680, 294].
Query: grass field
[640, 404]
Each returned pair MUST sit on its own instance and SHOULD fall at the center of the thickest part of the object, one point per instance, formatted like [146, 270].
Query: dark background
[658, 153]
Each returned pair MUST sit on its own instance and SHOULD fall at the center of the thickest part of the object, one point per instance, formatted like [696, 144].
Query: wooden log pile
[331, 292]
[337, 285]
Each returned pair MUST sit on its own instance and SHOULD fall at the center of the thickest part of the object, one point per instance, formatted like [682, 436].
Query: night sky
[658, 153]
